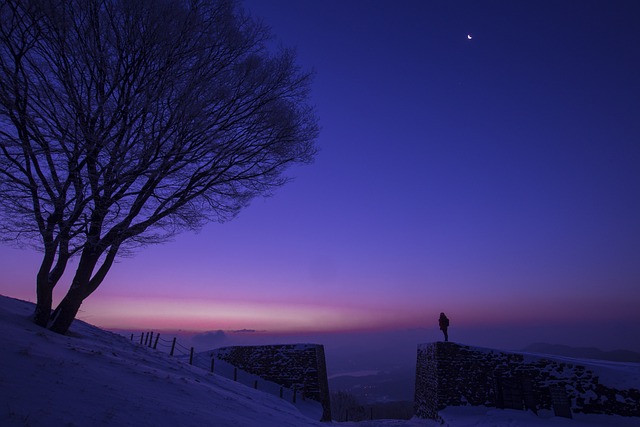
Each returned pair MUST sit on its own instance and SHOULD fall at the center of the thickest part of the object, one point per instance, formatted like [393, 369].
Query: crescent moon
[469, 36]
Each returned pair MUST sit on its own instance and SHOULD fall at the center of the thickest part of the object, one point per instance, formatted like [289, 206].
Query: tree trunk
[44, 291]
[66, 312]
[70, 304]
[43, 306]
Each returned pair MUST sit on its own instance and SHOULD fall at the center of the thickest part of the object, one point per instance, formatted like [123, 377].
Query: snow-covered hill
[583, 352]
[96, 378]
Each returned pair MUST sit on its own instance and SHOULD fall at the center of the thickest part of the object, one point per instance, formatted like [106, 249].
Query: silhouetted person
[444, 324]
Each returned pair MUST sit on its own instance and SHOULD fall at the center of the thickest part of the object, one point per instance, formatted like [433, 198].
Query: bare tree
[123, 122]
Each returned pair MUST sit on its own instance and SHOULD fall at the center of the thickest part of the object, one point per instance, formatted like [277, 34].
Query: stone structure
[299, 366]
[450, 374]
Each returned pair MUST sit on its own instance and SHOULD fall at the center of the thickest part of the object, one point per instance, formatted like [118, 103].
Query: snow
[97, 378]
[484, 417]
[308, 407]
[619, 375]
[92, 377]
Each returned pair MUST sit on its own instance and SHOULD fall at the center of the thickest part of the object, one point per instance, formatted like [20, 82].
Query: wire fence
[208, 361]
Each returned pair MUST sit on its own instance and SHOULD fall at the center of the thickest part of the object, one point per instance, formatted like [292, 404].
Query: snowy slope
[618, 375]
[97, 378]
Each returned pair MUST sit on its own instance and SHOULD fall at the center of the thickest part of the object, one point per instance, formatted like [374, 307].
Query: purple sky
[496, 179]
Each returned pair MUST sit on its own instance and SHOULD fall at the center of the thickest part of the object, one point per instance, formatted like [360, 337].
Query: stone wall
[299, 366]
[450, 374]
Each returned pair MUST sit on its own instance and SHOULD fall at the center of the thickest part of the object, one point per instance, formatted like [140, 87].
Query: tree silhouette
[124, 122]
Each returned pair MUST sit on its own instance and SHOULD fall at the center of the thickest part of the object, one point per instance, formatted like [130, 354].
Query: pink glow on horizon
[143, 298]
[290, 316]
[203, 315]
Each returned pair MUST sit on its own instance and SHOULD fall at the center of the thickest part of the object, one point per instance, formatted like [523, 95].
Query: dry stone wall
[299, 366]
[450, 374]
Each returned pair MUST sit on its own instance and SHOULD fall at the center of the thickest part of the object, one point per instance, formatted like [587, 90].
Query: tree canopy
[123, 122]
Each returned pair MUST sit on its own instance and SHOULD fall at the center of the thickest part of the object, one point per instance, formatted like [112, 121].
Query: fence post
[191, 357]
[141, 337]
[173, 346]
[293, 399]
[235, 374]
[346, 415]
[155, 344]
[255, 384]
[131, 337]
[371, 413]
[212, 362]
[146, 339]
[150, 338]
[281, 392]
